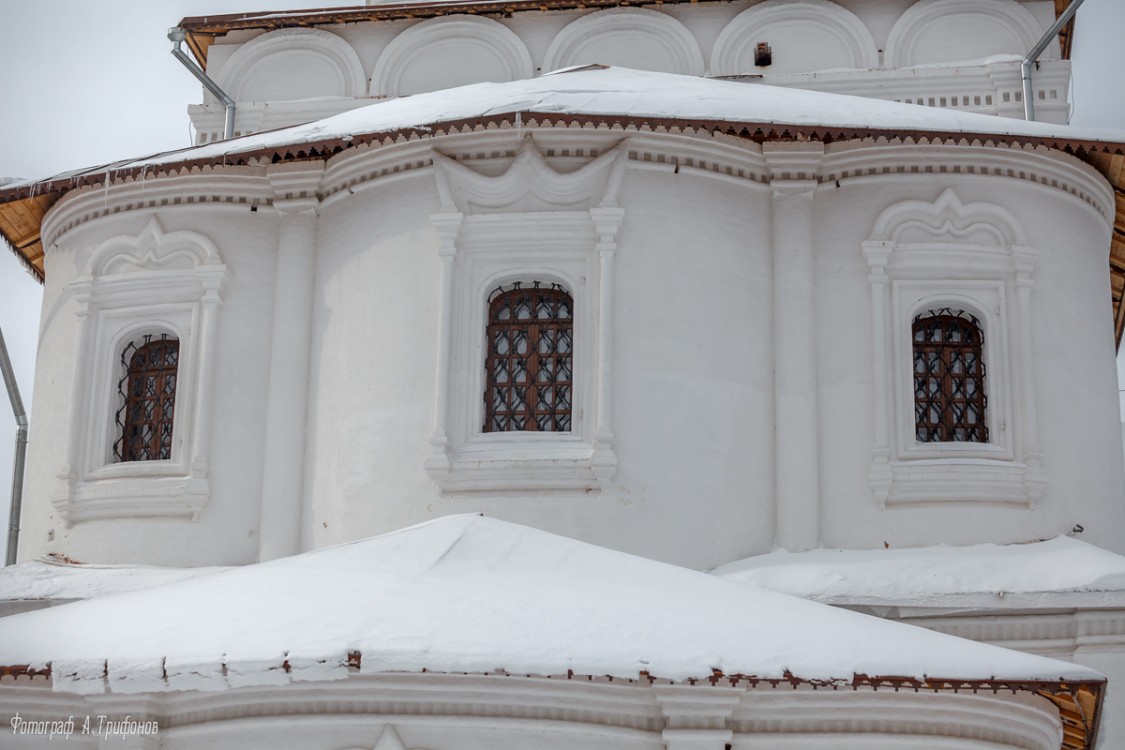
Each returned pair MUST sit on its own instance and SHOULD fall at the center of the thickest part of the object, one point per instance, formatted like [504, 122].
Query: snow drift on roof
[51, 579]
[607, 91]
[472, 594]
[885, 575]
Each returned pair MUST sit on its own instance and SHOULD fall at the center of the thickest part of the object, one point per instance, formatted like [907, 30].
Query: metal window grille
[528, 370]
[949, 392]
[148, 399]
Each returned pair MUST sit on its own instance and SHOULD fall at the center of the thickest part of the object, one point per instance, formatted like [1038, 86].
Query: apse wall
[186, 257]
[743, 358]
[1015, 237]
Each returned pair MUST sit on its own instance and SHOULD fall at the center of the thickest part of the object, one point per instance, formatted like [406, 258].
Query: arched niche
[937, 31]
[292, 64]
[628, 37]
[804, 36]
[450, 51]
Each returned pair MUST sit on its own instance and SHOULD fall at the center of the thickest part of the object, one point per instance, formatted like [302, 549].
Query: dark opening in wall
[763, 55]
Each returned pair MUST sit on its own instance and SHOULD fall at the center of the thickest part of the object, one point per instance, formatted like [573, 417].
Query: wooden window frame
[950, 389]
[544, 402]
[148, 392]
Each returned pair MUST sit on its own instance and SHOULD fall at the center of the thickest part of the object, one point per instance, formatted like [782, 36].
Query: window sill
[135, 494]
[955, 450]
[511, 463]
[969, 481]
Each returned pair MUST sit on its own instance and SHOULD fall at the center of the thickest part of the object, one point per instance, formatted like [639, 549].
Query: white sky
[92, 82]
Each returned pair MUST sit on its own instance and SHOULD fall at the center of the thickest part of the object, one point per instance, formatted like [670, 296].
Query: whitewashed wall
[225, 529]
[695, 466]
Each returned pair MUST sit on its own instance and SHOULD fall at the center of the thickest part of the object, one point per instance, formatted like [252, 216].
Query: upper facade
[286, 68]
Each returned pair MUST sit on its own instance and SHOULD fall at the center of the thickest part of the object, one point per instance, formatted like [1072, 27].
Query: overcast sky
[92, 82]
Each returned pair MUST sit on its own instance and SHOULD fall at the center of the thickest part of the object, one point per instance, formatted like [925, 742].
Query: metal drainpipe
[1036, 51]
[177, 36]
[21, 451]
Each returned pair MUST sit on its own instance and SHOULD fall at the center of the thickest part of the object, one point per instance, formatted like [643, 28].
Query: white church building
[556, 373]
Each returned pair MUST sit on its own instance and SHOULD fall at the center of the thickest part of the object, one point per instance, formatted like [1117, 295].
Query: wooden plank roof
[202, 31]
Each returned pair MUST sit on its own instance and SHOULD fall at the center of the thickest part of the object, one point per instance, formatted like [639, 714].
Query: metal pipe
[21, 451]
[177, 36]
[1036, 51]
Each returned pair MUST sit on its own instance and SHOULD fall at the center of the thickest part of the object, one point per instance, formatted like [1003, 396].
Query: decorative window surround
[972, 257]
[157, 282]
[531, 222]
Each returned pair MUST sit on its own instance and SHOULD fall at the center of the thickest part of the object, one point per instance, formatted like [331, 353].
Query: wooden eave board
[20, 222]
[1112, 167]
[1080, 711]
[1066, 33]
[203, 30]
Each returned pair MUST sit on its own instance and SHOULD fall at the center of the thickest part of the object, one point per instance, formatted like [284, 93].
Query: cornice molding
[235, 188]
[880, 159]
[582, 707]
[695, 151]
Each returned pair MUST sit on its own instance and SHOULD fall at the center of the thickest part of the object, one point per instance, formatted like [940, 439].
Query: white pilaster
[793, 169]
[607, 222]
[447, 225]
[296, 202]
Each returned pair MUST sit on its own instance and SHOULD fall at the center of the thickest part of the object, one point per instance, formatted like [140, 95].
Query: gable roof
[617, 97]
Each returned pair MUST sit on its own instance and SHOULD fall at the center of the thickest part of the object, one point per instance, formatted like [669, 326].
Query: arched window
[949, 393]
[528, 370]
[148, 395]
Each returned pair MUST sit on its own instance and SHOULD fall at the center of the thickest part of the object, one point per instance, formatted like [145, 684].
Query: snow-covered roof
[609, 91]
[53, 579]
[934, 575]
[472, 594]
[599, 90]
[616, 97]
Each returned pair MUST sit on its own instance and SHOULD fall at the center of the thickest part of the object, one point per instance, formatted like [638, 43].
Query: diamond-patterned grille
[530, 343]
[148, 396]
[949, 397]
